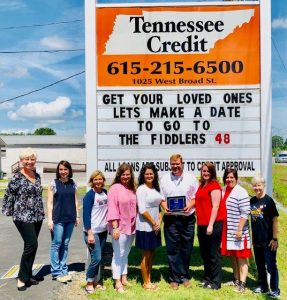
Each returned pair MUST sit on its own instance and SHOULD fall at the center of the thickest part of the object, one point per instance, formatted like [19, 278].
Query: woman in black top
[23, 201]
[264, 222]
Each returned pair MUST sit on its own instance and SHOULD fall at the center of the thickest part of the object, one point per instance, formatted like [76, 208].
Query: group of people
[131, 211]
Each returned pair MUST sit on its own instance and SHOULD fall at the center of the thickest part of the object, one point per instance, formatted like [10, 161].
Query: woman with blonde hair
[23, 201]
[264, 223]
[95, 207]
[122, 222]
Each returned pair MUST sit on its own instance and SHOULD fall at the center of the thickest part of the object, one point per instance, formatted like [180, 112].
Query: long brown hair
[121, 169]
[211, 168]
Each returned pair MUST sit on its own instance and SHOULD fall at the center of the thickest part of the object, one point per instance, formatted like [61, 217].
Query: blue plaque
[176, 204]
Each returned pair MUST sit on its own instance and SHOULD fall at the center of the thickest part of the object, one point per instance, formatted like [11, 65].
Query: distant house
[50, 149]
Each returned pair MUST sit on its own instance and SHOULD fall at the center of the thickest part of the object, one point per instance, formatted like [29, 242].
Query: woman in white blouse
[148, 221]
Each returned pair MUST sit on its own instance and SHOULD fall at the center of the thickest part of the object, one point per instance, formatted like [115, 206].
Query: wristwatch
[275, 239]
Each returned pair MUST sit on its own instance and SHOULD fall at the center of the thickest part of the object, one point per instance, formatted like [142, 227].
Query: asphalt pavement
[11, 245]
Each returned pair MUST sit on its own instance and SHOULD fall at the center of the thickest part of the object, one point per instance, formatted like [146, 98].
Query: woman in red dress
[235, 234]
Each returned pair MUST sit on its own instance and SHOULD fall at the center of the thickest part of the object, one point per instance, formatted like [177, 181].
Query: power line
[280, 57]
[40, 25]
[40, 51]
[42, 88]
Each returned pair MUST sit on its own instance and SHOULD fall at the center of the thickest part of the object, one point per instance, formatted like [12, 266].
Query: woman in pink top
[122, 220]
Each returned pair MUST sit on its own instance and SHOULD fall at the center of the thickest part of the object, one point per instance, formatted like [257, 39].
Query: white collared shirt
[184, 185]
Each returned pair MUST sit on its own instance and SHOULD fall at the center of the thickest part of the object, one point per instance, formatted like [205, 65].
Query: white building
[50, 149]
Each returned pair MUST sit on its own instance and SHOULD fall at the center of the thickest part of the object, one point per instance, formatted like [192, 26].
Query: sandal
[150, 287]
[89, 289]
[120, 289]
[126, 283]
[100, 287]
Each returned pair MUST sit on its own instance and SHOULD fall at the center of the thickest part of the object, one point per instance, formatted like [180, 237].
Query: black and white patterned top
[23, 199]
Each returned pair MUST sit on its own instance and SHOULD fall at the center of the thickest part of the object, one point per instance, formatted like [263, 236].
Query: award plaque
[176, 204]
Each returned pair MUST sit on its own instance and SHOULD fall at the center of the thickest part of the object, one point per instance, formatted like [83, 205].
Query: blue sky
[62, 106]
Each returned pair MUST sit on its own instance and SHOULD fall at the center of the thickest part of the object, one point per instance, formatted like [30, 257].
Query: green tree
[277, 141]
[44, 131]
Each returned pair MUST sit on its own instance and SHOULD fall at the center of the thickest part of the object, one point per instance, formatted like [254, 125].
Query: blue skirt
[148, 240]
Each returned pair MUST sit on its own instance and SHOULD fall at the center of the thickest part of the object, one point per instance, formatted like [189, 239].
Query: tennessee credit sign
[180, 77]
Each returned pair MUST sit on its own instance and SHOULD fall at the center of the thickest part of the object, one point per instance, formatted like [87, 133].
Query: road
[12, 248]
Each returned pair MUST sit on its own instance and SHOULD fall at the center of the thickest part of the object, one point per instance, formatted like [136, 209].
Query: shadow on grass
[160, 266]
[161, 269]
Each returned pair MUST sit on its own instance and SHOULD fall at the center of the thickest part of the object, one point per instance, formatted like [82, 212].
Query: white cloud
[41, 110]
[47, 123]
[279, 23]
[6, 105]
[18, 72]
[76, 113]
[55, 42]
[15, 130]
[11, 5]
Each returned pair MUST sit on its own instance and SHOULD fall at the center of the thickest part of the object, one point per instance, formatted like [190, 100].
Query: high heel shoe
[21, 288]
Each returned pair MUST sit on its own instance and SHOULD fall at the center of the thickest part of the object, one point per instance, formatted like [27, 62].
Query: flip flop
[120, 289]
[100, 287]
[89, 290]
[150, 287]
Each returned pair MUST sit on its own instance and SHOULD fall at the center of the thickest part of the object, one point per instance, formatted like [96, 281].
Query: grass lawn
[160, 277]
[160, 268]
[280, 183]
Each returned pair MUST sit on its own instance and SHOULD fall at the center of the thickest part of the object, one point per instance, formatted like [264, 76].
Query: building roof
[41, 140]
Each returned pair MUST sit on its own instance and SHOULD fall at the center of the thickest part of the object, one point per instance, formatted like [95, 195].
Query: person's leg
[126, 248]
[116, 264]
[150, 263]
[235, 268]
[186, 228]
[270, 258]
[261, 267]
[63, 253]
[173, 247]
[96, 257]
[57, 240]
[29, 235]
[204, 248]
[215, 256]
[243, 272]
[102, 239]
[144, 267]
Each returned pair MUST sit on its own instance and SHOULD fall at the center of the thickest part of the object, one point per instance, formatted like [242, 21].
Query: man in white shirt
[179, 229]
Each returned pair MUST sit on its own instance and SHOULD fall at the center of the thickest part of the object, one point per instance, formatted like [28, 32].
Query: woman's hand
[273, 245]
[78, 221]
[156, 227]
[238, 234]
[51, 226]
[91, 239]
[209, 230]
[116, 233]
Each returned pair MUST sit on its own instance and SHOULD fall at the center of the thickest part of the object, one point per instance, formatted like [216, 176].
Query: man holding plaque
[178, 189]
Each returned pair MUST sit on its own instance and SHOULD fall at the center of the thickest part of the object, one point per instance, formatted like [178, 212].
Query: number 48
[222, 138]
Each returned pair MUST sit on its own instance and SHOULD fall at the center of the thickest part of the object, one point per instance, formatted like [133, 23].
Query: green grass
[160, 277]
[160, 267]
[280, 183]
